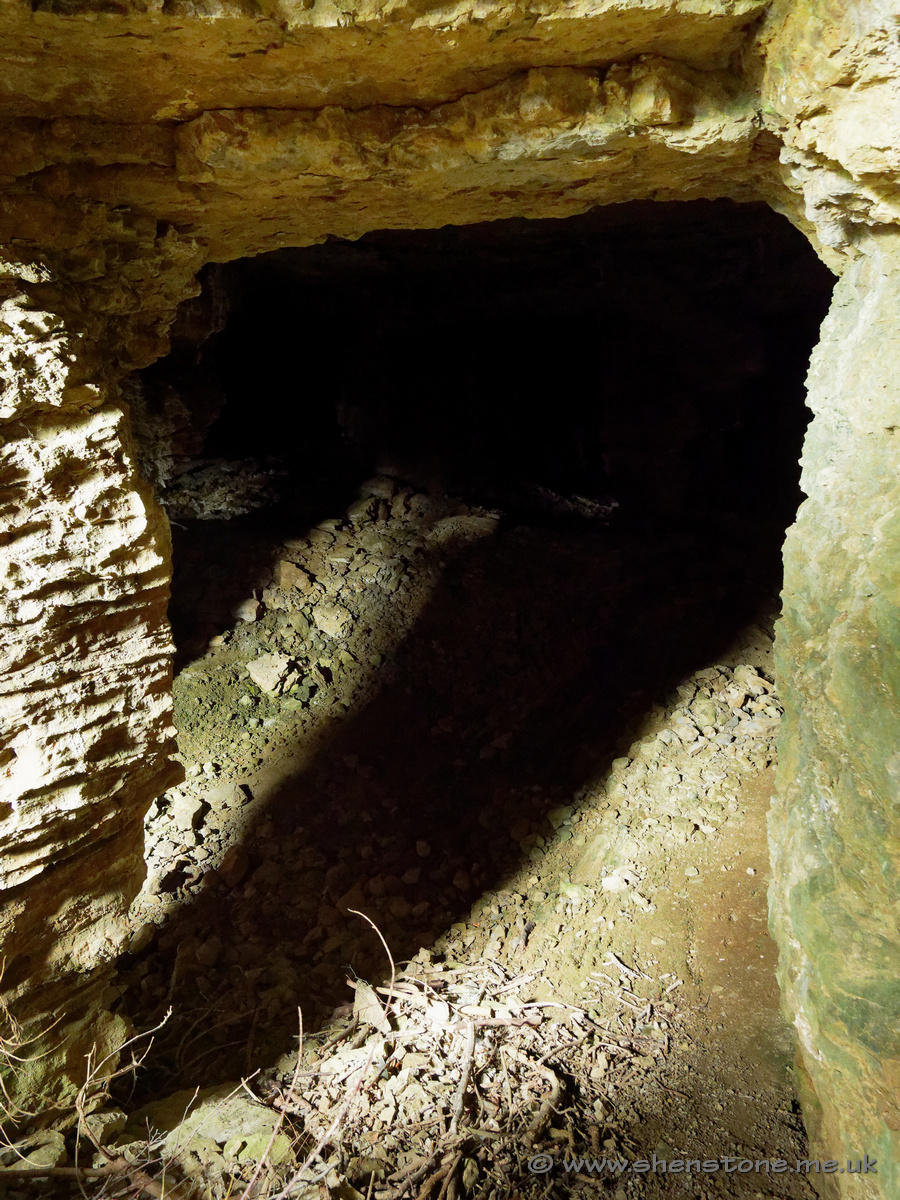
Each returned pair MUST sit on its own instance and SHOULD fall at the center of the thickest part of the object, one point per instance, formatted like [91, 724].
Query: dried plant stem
[276, 1129]
[536, 1128]
[467, 1058]
[329, 1132]
[448, 1178]
[115, 1166]
[56, 1172]
[390, 998]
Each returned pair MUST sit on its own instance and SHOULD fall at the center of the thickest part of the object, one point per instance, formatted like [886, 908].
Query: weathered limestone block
[62, 932]
[89, 515]
[835, 826]
[85, 666]
[829, 80]
[85, 681]
[829, 84]
[534, 114]
[554, 141]
[561, 138]
[153, 66]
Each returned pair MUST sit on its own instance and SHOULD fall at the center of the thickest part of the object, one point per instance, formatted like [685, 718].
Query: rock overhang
[142, 64]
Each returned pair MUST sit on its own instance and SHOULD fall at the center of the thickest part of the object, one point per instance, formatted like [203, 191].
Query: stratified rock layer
[835, 827]
[147, 65]
[830, 88]
[85, 669]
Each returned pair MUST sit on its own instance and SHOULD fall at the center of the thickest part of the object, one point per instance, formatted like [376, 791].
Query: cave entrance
[646, 356]
[476, 551]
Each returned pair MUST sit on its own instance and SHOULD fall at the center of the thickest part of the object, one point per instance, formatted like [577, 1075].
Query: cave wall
[85, 679]
[140, 141]
[831, 75]
[835, 824]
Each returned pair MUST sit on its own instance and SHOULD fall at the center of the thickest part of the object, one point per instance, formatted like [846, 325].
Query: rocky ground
[477, 738]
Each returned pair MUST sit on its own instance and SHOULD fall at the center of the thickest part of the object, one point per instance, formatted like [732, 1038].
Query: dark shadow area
[648, 354]
[626, 389]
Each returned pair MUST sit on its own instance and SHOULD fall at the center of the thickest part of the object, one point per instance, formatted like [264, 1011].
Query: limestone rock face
[829, 81]
[142, 65]
[85, 679]
[138, 145]
[550, 141]
[835, 828]
[830, 90]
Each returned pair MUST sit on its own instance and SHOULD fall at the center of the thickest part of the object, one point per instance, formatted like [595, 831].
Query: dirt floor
[537, 755]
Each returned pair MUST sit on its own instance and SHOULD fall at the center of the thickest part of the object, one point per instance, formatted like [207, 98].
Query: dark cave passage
[522, 479]
[643, 358]
[652, 352]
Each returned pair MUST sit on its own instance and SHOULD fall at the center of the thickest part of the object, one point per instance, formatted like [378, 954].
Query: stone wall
[831, 91]
[85, 674]
[139, 143]
[835, 825]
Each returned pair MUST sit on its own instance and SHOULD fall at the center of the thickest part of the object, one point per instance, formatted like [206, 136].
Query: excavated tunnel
[452, 512]
[643, 363]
